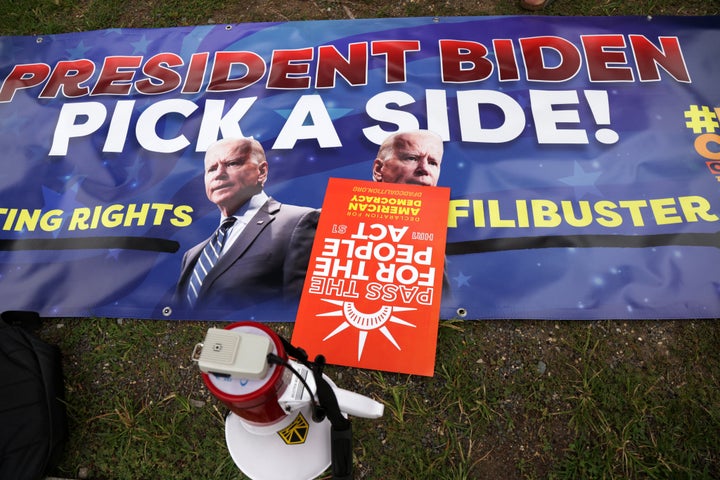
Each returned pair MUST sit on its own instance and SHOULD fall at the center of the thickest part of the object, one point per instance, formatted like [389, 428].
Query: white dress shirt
[242, 217]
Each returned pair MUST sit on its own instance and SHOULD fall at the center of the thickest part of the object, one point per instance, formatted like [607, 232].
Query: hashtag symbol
[701, 119]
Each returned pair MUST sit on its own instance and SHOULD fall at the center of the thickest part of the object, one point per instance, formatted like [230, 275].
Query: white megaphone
[287, 420]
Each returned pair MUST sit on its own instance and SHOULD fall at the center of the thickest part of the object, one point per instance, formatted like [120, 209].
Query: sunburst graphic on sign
[365, 322]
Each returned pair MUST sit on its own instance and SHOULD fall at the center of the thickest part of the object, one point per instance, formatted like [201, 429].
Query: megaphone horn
[287, 419]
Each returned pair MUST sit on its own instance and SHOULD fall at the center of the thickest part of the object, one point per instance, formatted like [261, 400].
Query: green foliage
[39, 17]
[511, 400]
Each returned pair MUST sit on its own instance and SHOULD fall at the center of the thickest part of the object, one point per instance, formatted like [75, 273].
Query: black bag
[33, 417]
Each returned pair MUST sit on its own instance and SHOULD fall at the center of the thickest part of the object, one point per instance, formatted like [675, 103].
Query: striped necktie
[207, 259]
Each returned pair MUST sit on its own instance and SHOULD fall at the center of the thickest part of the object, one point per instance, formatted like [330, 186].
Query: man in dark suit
[413, 157]
[260, 252]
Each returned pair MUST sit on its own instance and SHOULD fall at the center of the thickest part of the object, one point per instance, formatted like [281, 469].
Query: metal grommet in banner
[228, 27]
[167, 311]
[461, 312]
[39, 40]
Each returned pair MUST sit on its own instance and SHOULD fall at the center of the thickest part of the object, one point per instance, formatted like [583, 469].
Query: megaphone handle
[341, 451]
[358, 405]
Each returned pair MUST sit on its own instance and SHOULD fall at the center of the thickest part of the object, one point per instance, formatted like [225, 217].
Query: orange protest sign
[372, 293]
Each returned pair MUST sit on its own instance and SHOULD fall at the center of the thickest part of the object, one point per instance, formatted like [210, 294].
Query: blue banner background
[654, 158]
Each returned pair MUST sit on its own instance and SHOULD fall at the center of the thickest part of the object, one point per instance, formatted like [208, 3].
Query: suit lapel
[257, 224]
[191, 258]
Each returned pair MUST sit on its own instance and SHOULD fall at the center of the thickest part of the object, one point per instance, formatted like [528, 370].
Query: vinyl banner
[582, 155]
